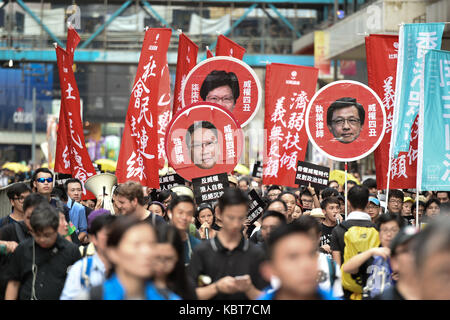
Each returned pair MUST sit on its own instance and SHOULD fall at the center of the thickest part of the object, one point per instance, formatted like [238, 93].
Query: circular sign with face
[203, 139]
[345, 120]
[226, 81]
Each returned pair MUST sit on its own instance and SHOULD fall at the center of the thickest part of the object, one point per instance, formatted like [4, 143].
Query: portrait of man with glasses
[345, 119]
[221, 87]
[202, 143]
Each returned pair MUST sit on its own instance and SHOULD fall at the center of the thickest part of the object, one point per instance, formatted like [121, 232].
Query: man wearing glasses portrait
[202, 142]
[221, 87]
[345, 119]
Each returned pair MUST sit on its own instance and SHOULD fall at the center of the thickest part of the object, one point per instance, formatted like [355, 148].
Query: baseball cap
[403, 236]
[408, 199]
[374, 200]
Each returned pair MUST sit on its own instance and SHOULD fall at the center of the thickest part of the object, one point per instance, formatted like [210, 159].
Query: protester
[330, 207]
[90, 271]
[16, 194]
[273, 192]
[41, 260]
[229, 261]
[42, 182]
[373, 208]
[374, 264]
[290, 200]
[269, 222]
[432, 209]
[297, 213]
[74, 190]
[442, 196]
[293, 260]
[407, 206]
[333, 184]
[328, 192]
[205, 221]
[307, 200]
[77, 212]
[278, 205]
[165, 196]
[244, 184]
[395, 201]
[371, 184]
[159, 209]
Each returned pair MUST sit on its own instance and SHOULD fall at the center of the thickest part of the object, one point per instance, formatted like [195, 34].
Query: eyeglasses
[340, 121]
[225, 100]
[42, 180]
[204, 145]
[20, 199]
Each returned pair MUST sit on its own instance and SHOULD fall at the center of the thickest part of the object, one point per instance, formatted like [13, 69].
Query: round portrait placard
[345, 120]
[226, 81]
[203, 139]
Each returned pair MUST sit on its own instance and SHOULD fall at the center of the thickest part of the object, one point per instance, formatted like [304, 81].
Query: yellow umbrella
[339, 176]
[16, 167]
[241, 169]
[107, 164]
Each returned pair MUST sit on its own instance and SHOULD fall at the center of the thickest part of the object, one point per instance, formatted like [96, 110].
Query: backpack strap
[332, 271]
[96, 293]
[86, 271]
[19, 232]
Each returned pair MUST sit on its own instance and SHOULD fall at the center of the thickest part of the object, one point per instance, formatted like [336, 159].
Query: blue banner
[433, 163]
[414, 41]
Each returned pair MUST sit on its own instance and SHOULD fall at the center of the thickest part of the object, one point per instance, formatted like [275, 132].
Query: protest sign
[210, 188]
[309, 173]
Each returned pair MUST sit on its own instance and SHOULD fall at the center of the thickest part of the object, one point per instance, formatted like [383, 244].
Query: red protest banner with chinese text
[227, 47]
[138, 157]
[288, 91]
[381, 50]
[81, 166]
[186, 60]
[163, 113]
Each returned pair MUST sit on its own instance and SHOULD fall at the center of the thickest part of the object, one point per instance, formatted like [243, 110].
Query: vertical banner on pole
[434, 129]
[164, 113]
[414, 41]
[227, 47]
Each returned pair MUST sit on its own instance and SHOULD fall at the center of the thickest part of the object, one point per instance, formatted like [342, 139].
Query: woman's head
[165, 196]
[432, 207]
[158, 208]
[204, 214]
[131, 247]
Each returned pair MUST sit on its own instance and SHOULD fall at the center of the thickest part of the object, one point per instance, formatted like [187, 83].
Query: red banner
[288, 91]
[186, 60]
[163, 113]
[227, 47]
[81, 166]
[138, 157]
[209, 54]
[381, 51]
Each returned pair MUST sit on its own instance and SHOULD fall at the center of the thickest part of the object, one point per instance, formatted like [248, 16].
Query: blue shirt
[73, 286]
[323, 295]
[77, 215]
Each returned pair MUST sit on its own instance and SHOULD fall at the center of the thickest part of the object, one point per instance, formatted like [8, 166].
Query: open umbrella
[241, 169]
[16, 167]
[339, 176]
[107, 164]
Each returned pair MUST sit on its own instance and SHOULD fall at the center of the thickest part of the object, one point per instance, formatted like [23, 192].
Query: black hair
[395, 193]
[164, 194]
[275, 214]
[370, 183]
[387, 217]
[311, 223]
[344, 103]
[274, 187]
[246, 179]
[445, 208]
[100, 222]
[159, 204]
[199, 125]
[277, 200]
[44, 216]
[219, 78]
[285, 193]
[329, 200]
[232, 197]
[179, 199]
[430, 202]
[413, 207]
[331, 181]
[177, 279]
[305, 192]
[72, 180]
[329, 192]
[35, 174]
[16, 189]
[201, 207]
[120, 226]
[33, 200]
[59, 192]
[286, 230]
[358, 196]
[352, 182]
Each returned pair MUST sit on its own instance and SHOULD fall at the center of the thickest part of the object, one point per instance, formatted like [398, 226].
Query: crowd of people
[162, 245]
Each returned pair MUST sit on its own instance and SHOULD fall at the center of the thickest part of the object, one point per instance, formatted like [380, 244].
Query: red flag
[73, 39]
[209, 54]
[138, 157]
[288, 91]
[163, 113]
[80, 163]
[186, 60]
[227, 47]
[381, 50]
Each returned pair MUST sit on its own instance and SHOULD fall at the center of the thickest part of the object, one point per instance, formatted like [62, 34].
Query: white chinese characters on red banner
[288, 91]
[226, 81]
[345, 120]
[164, 113]
[202, 140]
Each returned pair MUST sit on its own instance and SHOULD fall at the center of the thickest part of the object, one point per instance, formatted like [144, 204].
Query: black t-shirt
[211, 258]
[9, 231]
[52, 265]
[325, 237]
[6, 220]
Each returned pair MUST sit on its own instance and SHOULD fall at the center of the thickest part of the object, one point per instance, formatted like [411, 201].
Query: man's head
[270, 221]
[290, 200]
[351, 184]
[358, 196]
[293, 259]
[202, 141]
[221, 87]
[74, 189]
[306, 199]
[44, 223]
[273, 192]
[331, 207]
[388, 226]
[17, 194]
[371, 184]
[31, 202]
[328, 192]
[432, 260]
[181, 211]
[42, 181]
[233, 206]
[442, 196]
[395, 201]
[373, 207]
[345, 119]
[277, 205]
[244, 184]
[421, 208]
[98, 231]
[129, 197]
[402, 257]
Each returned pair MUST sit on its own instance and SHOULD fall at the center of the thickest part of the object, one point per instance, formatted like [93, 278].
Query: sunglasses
[42, 180]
